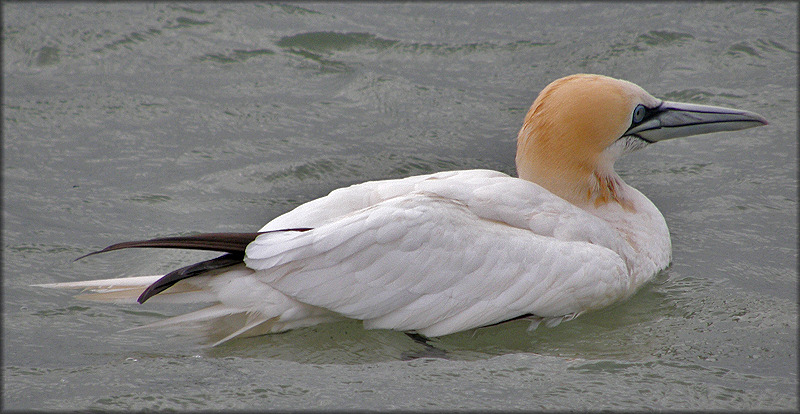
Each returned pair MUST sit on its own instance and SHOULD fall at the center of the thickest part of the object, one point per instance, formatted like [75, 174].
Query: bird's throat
[603, 189]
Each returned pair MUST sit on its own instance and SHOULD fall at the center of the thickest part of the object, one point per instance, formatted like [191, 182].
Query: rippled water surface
[127, 121]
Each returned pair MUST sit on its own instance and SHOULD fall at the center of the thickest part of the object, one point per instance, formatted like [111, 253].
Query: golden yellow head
[581, 124]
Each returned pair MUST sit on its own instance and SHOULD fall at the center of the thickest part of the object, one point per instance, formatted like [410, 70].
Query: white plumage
[446, 252]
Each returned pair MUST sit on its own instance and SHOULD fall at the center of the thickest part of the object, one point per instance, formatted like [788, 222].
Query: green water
[127, 121]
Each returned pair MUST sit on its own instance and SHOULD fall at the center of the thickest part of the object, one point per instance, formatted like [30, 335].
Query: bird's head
[581, 124]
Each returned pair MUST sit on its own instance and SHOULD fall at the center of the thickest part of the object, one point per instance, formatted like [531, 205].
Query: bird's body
[457, 250]
[451, 251]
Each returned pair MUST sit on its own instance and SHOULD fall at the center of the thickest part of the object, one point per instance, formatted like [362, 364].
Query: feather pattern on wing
[399, 260]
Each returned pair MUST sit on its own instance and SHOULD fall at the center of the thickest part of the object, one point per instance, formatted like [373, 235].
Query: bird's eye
[639, 113]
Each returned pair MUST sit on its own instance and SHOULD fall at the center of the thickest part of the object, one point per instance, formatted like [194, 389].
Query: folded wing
[447, 256]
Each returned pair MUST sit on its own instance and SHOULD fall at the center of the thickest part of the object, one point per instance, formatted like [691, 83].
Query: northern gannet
[451, 251]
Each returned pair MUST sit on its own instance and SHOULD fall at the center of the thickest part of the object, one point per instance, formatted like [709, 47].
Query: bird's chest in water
[646, 235]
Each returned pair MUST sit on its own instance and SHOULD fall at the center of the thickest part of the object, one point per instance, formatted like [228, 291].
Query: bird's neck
[586, 185]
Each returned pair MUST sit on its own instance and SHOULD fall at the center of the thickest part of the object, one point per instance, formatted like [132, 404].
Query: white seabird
[441, 253]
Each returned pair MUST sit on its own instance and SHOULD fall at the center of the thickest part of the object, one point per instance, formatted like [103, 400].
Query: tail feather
[129, 289]
[233, 244]
[119, 290]
[220, 323]
[193, 320]
[256, 310]
[242, 305]
[257, 324]
[217, 323]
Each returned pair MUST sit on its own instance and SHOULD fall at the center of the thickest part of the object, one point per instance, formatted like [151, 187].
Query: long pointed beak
[674, 119]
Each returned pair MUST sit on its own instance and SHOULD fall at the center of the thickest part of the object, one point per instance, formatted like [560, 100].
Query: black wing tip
[107, 249]
[175, 276]
[151, 291]
[222, 242]
[87, 255]
[233, 244]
